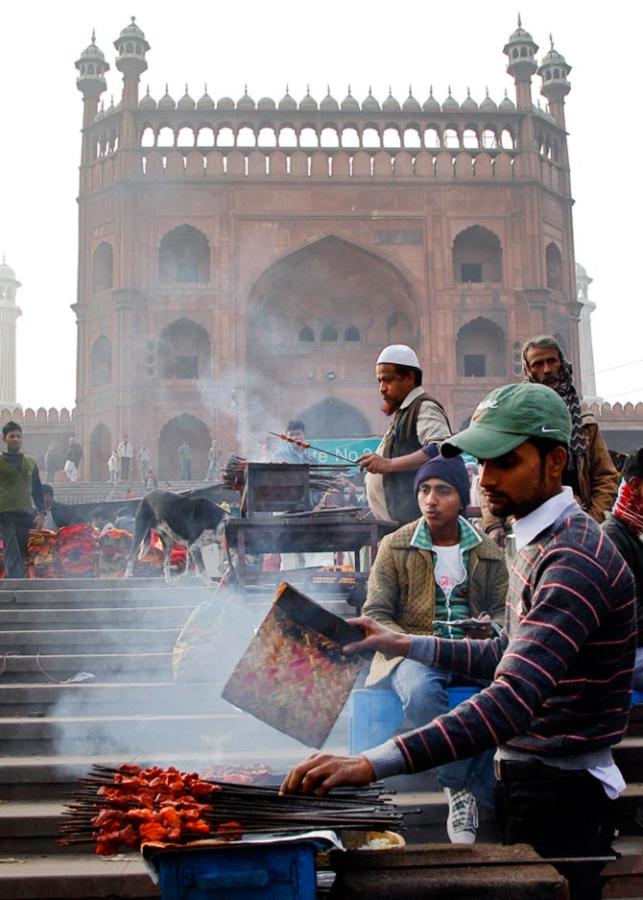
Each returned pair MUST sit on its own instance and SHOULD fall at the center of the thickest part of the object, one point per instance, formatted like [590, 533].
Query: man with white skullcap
[417, 420]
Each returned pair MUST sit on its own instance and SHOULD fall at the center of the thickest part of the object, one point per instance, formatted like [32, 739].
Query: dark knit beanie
[453, 471]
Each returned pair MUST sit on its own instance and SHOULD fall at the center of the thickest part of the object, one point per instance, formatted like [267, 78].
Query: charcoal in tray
[294, 675]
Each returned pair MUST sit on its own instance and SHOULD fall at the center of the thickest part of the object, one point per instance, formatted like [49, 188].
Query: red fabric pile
[114, 547]
[40, 554]
[152, 562]
[76, 552]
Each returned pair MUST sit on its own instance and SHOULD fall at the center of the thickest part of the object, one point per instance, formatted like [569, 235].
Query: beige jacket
[401, 589]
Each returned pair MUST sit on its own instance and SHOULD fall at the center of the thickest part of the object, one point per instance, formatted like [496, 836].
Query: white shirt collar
[410, 397]
[525, 530]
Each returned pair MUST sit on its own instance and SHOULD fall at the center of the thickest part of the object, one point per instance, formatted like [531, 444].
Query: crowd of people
[534, 604]
[546, 625]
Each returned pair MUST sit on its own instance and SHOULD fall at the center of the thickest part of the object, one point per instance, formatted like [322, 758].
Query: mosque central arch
[315, 321]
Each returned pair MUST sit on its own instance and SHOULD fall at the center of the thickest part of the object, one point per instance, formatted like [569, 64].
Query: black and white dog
[192, 522]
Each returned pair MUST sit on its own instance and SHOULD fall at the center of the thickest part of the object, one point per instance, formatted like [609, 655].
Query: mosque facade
[242, 262]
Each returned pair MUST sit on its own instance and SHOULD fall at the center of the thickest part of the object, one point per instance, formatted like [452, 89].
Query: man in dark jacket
[417, 419]
[19, 485]
[625, 527]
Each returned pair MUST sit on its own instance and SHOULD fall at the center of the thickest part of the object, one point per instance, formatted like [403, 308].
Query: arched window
[412, 139]
[507, 140]
[391, 138]
[166, 137]
[267, 137]
[306, 334]
[185, 137]
[432, 138]
[350, 138]
[101, 361]
[205, 137]
[329, 333]
[246, 137]
[451, 139]
[351, 334]
[308, 138]
[225, 137]
[184, 256]
[480, 350]
[184, 351]
[489, 139]
[477, 256]
[287, 137]
[470, 139]
[329, 137]
[554, 266]
[103, 267]
[148, 138]
[371, 138]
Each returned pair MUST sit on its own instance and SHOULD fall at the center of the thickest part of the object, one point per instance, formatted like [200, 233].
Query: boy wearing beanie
[429, 576]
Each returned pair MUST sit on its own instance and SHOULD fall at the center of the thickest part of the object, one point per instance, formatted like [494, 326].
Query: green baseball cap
[507, 417]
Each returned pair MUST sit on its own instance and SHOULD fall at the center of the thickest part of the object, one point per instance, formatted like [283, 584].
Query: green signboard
[348, 448]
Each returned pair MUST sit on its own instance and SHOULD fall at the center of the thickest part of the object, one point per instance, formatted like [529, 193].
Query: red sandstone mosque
[242, 262]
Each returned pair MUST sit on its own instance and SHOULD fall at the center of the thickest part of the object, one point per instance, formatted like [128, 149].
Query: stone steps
[30, 668]
[35, 620]
[77, 876]
[109, 698]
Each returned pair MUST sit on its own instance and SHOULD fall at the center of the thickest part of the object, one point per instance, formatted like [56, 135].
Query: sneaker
[462, 821]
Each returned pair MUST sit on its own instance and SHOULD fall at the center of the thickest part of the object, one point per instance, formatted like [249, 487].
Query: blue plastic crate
[376, 714]
[274, 871]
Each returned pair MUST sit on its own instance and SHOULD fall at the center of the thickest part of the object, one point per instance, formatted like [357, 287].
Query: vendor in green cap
[561, 670]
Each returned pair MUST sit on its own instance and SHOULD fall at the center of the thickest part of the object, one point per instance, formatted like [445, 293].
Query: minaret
[555, 87]
[91, 83]
[586, 348]
[521, 51]
[9, 312]
[132, 47]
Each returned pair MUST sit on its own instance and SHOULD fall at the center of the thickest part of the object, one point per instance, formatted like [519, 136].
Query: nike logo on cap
[547, 430]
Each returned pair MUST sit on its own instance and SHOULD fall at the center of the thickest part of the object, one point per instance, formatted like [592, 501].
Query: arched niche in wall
[100, 448]
[332, 418]
[481, 350]
[182, 428]
[477, 256]
[101, 361]
[346, 295]
[184, 256]
[184, 351]
[554, 267]
[103, 267]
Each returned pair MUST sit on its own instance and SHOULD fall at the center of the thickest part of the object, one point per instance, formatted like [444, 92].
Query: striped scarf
[567, 392]
[629, 509]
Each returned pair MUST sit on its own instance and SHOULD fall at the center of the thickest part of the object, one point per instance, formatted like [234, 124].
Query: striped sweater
[562, 669]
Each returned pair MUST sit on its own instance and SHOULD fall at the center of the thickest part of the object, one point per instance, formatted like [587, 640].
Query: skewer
[307, 446]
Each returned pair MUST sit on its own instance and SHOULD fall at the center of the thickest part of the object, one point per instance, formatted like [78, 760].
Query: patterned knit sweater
[562, 670]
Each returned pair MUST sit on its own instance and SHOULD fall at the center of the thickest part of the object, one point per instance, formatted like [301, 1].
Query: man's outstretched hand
[378, 637]
[373, 463]
[323, 771]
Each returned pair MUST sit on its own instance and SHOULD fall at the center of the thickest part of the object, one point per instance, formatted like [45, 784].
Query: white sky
[267, 45]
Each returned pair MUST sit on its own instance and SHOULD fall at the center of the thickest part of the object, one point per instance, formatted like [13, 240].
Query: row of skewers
[128, 806]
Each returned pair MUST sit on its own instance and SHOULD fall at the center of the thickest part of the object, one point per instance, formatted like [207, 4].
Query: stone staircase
[118, 637]
[85, 676]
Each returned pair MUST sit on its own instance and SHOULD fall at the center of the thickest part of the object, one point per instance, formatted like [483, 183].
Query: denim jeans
[423, 693]
[14, 528]
[637, 681]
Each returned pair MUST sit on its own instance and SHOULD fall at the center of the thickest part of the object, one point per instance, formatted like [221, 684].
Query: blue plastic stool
[637, 697]
[376, 714]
